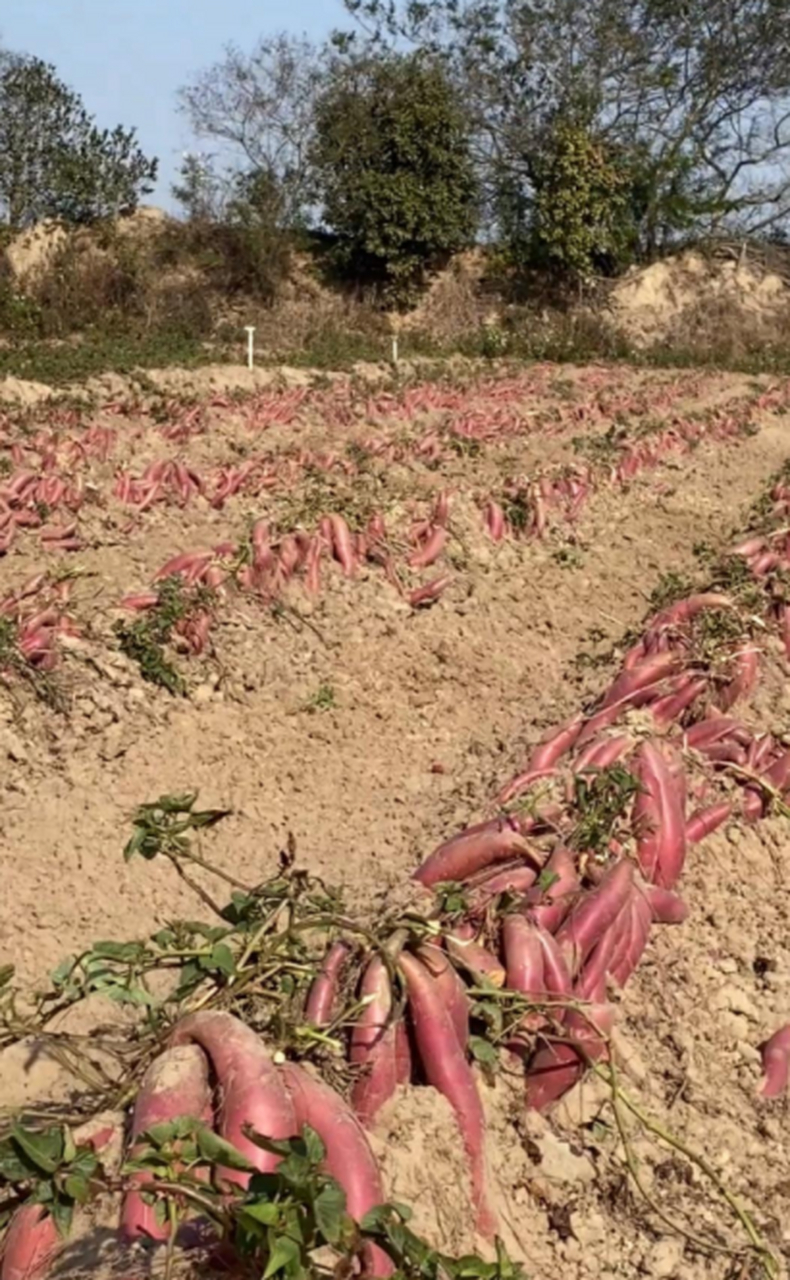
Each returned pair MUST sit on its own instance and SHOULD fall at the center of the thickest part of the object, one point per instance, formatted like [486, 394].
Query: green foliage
[669, 87]
[54, 160]
[162, 827]
[581, 208]
[393, 170]
[57, 1174]
[144, 639]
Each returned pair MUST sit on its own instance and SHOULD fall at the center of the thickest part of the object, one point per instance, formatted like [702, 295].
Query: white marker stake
[394, 350]
[250, 346]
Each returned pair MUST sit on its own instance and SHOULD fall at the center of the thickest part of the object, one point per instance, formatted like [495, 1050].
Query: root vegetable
[429, 552]
[658, 818]
[557, 1067]
[478, 962]
[31, 1244]
[554, 746]
[251, 1091]
[477, 847]
[549, 908]
[447, 1069]
[428, 593]
[349, 1159]
[594, 914]
[524, 956]
[666, 907]
[379, 1047]
[776, 1065]
[322, 995]
[451, 988]
[176, 1085]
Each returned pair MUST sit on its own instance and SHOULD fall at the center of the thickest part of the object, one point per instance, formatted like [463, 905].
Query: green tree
[694, 94]
[582, 211]
[54, 160]
[393, 170]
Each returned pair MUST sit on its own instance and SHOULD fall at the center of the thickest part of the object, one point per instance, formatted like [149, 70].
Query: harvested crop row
[546, 906]
[41, 484]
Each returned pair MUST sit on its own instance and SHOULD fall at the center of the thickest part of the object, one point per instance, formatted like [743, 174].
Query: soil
[361, 733]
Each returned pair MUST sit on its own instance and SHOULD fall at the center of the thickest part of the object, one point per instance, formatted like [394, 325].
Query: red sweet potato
[451, 988]
[175, 1085]
[594, 913]
[30, 1245]
[321, 998]
[555, 744]
[349, 1159]
[776, 1065]
[379, 1046]
[658, 818]
[447, 1069]
[250, 1090]
[470, 850]
[556, 1067]
[549, 907]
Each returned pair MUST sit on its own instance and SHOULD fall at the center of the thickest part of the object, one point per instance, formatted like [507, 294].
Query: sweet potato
[555, 744]
[175, 1085]
[549, 907]
[451, 988]
[666, 907]
[469, 851]
[658, 818]
[447, 1069]
[705, 821]
[30, 1245]
[379, 1046]
[776, 1065]
[480, 963]
[593, 914]
[321, 998]
[524, 956]
[349, 1159]
[251, 1091]
[556, 1067]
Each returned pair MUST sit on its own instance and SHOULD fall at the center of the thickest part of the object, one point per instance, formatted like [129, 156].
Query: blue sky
[128, 57]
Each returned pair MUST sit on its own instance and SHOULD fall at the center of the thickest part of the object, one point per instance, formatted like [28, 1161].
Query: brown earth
[365, 733]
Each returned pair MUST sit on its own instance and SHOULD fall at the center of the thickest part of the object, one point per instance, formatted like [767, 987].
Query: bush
[394, 171]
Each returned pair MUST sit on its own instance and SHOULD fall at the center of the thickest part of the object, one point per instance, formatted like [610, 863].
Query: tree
[393, 169]
[260, 107]
[582, 211]
[694, 94]
[54, 160]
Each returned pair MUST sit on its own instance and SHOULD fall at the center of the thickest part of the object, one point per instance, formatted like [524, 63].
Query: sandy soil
[365, 732]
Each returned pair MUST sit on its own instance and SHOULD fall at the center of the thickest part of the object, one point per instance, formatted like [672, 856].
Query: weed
[324, 699]
[144, 639]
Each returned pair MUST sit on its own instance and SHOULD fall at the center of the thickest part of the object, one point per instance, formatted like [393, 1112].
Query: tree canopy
[55, 162]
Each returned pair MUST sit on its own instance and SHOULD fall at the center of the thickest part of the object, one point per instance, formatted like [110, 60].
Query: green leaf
[63, 1215]
[45, 1150]
[216, 1150]
[222, 958]
[314, 1147]
[160, 1135]
[483, 1051]
[329, 1208]
[77, 1188]
[7, 972]
[264, 1211]
[285, 1253]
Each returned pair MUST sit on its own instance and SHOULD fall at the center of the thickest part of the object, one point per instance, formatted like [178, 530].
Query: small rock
[13, 746]
[664, 1258]
[735, 1000]
[559, 1164]
[203, 694]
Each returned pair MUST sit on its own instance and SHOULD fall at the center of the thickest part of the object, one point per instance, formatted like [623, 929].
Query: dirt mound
[648, 303]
